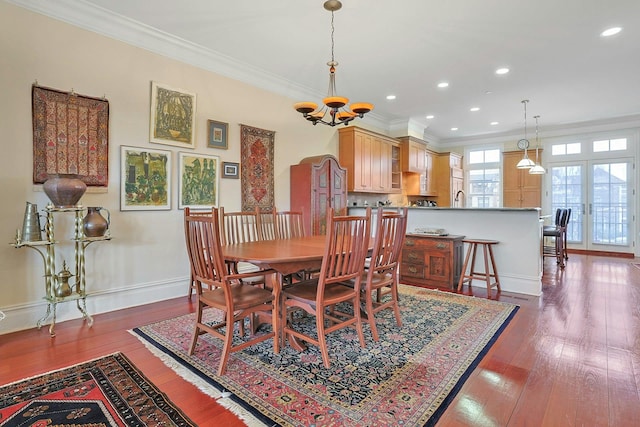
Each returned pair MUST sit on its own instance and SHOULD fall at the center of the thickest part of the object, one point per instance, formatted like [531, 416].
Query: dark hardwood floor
[569, 358]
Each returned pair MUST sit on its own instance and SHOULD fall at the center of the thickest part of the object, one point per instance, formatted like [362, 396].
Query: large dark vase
[64, 190]
[94, 224]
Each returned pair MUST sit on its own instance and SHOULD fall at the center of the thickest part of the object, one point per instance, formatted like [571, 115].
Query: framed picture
[173, 116]
[230, 170]
[145, 179]
[217, 134]
[199, 180]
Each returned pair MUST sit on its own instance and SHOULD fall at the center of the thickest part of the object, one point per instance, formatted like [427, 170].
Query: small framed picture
[217, 134]
[199, 178]
[230, 170]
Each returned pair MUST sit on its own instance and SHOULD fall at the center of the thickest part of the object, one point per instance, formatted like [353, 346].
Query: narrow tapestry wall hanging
[256, 148]
[70, 136]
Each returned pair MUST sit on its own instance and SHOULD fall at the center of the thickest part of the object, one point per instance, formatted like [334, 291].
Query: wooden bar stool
[487, 247]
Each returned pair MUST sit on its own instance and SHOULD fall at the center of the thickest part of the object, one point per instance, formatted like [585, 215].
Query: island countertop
[519, 230]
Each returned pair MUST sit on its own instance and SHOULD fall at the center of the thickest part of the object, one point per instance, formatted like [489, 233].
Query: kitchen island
[519, 230]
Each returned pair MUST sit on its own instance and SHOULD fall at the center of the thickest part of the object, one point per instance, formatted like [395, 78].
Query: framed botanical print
[173, 116]
[145, 179]
[199, 176]
[217, 134]
[231, 170]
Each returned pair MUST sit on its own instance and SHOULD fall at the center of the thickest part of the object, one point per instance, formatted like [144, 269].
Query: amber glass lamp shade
[361, 107]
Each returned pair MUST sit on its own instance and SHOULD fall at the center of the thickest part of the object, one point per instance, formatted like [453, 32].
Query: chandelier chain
[332, 31]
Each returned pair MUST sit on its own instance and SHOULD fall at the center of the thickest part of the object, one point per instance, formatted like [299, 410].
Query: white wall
[146, 260]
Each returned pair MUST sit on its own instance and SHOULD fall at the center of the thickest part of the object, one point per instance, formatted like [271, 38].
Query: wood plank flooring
[569, 358]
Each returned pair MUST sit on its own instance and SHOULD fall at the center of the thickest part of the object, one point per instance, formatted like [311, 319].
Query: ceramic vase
[94, 224]
[64, 190]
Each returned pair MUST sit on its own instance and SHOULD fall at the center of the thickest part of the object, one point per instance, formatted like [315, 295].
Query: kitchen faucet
[456, 201]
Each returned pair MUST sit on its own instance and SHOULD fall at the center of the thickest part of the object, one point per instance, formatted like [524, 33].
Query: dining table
[285, 257]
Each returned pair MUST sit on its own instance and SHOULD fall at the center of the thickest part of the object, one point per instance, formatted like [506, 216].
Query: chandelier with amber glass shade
[334, 110]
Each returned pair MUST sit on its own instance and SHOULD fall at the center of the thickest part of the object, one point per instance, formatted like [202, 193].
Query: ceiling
[556, 57]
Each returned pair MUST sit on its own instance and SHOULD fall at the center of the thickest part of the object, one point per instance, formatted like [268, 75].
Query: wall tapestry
[173, 116]
[256, 148]
[70, 135]
[145, 179]
[199, 181]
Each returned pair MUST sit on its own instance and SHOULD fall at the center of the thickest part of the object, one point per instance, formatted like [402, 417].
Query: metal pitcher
[31, 229]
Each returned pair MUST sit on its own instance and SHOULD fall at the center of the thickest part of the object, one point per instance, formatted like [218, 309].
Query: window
[484, 178]
[565, 149]
[610, 145]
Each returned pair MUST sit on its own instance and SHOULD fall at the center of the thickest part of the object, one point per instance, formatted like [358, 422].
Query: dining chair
[289, 224]
[192, 286]
[241, 227]
[379, 288]
[347, 243]
[226, 292]
[267, 226]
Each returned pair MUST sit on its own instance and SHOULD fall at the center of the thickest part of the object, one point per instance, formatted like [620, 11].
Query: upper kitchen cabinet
[450, 179]
[419, 167]
[372, 161]
[520, 189]
[413, 155]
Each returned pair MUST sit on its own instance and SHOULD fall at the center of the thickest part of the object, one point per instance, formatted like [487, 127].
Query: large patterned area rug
[407, 378]
[109, 391]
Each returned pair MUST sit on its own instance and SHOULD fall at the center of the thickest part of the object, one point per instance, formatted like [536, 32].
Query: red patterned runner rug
[109, 391]
[407, 378]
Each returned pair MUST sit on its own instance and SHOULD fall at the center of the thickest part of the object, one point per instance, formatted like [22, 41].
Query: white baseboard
[26, 316]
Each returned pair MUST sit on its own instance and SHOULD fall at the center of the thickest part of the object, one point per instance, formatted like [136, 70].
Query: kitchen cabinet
[431, 261]
[317, 184]
[520, 189]
[413, 155]
[422, 184]
[369, 160]
[449, 179]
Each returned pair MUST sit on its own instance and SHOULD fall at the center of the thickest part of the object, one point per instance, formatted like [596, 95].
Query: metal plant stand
[57, 286]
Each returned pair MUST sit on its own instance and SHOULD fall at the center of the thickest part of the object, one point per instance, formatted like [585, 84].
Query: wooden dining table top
[286, 256]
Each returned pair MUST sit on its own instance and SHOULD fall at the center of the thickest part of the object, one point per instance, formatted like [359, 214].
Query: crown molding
[96, 19]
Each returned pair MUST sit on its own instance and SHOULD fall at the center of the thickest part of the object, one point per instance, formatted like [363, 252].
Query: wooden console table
[431, 261]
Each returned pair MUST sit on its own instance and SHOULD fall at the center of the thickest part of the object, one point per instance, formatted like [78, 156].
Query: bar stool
[487, 247]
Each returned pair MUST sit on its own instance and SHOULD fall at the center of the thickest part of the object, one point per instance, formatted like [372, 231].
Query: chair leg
[226, 348]
[370, 316]
[196, 332]
[322, 339]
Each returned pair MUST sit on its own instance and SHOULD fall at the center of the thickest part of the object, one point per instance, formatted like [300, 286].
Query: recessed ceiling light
[474, 109]
[488, 92]
[443, 84]
[430, 116]
[503, 70]
[610, 31]
[391, 97]
[494, 123]
[454, 128]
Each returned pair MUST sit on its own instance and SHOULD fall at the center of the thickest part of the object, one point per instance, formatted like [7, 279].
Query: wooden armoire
[318, 183]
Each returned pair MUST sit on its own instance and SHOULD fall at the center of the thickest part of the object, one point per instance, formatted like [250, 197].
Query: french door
[600, 195]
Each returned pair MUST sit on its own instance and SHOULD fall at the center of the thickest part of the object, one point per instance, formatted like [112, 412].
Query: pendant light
[526, 162]
[335, 110]
[537, 169]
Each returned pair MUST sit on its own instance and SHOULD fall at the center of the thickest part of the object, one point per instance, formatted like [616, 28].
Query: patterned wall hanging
[70, 135]
[256, 148]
